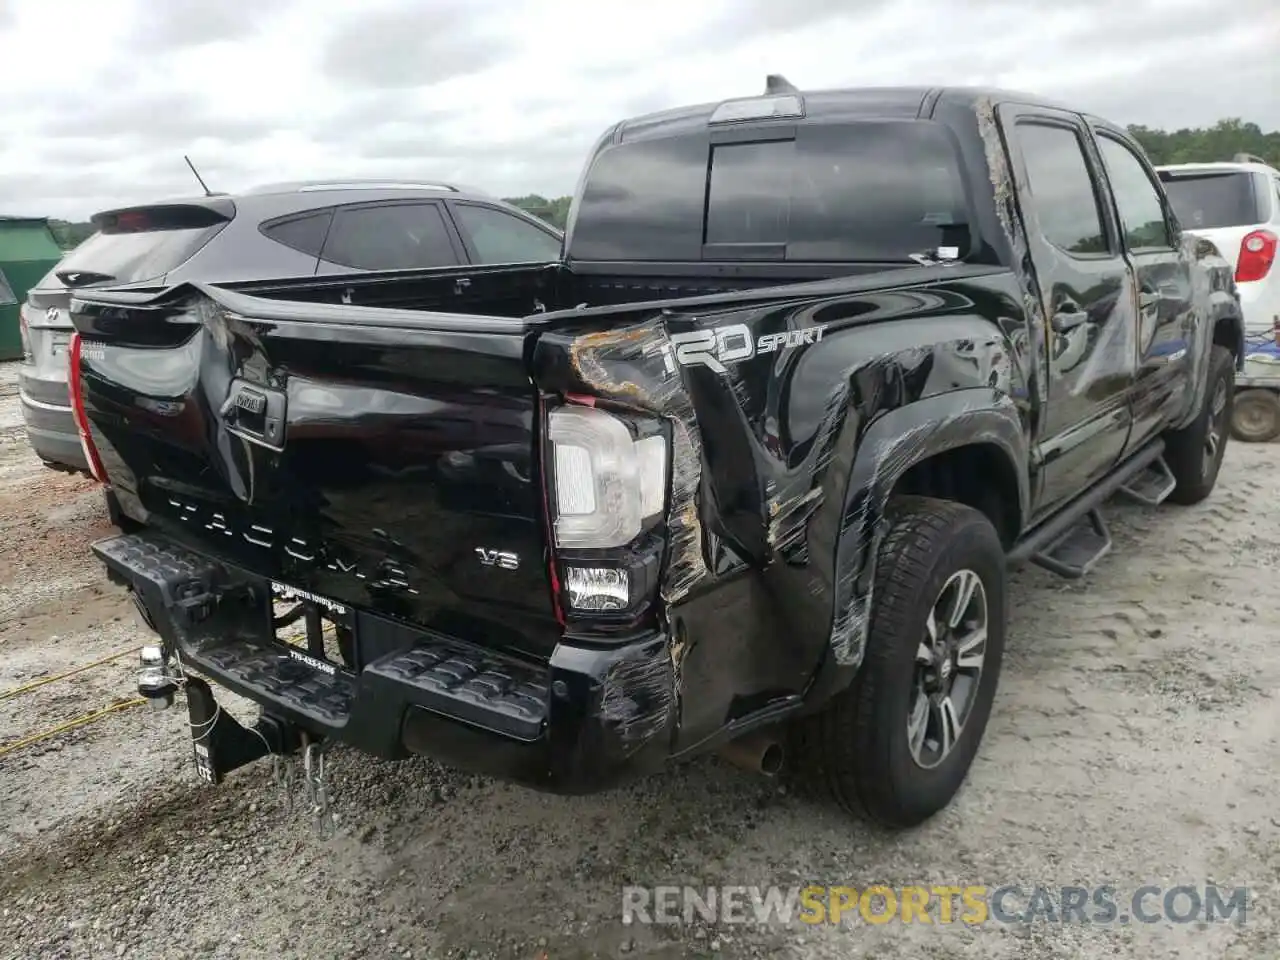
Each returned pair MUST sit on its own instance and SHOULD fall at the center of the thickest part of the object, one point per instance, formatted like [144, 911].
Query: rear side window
[1061, 188]
[1211, 199]
[305, 234]
[401, 236]
[643, 201]
[868, 191]
[140, 244]
[500, 237]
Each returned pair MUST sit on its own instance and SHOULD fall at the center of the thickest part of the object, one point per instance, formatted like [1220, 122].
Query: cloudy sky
[101, 98]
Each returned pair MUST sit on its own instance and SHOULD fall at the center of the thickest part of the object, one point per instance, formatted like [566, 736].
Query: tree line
[1222, 141]
[70, 235]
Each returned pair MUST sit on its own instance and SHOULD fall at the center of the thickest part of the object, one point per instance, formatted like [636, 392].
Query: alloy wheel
[1217, 426]
[948, 668]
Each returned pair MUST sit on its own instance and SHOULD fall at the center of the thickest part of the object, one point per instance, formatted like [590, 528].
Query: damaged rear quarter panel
[1214, 292]
[765, 449]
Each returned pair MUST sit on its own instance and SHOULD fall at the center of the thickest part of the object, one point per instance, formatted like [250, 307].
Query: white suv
[1236, 205]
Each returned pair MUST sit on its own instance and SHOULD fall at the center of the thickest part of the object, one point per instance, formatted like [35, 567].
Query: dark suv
[276, 231]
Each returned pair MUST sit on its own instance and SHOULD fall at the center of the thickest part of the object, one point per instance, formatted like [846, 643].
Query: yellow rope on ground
[86, 718]
[71, 725]
[62, 676]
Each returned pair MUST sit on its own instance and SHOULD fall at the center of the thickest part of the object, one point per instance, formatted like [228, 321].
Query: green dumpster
[27, 252]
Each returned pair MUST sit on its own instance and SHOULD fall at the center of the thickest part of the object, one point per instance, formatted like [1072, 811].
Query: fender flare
[889, 446]
[1223, 308]
[1233, 316]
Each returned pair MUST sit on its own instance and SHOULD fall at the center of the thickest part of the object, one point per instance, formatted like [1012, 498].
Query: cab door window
[1142, 215]
[1061, 188]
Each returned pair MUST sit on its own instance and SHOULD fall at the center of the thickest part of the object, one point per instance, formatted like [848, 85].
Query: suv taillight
[24, 331]
[77, 409]
[607, 475]
[1257, 253]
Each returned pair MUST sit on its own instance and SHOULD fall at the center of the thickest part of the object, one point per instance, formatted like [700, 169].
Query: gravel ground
[1134, 741]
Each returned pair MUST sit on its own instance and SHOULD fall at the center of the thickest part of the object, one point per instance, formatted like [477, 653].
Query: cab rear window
[868, 191]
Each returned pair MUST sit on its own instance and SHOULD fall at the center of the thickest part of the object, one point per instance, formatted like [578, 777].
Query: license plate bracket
[314, 629]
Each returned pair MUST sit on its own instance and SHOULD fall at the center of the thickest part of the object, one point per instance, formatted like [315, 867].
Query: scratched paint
[638, 696]
[624, 365]
[783, 462]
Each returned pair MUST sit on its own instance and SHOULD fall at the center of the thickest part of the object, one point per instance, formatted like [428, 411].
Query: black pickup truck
[742, 472]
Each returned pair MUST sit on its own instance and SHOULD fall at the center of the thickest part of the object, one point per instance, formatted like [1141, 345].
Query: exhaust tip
[758, 754]
[771, 760]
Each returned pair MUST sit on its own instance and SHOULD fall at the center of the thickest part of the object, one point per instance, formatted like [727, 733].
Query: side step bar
[1072, 541]
[1078, 550]
[1153, 486]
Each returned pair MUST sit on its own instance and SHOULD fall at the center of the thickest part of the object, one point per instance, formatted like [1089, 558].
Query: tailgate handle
[255, 413]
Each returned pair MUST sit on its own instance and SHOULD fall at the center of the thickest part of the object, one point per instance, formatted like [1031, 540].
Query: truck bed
[396, 437]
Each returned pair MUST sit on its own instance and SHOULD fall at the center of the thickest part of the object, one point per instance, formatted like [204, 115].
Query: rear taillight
[608, 481]
[1257, 253]
[607, 478]
[24, 331]
[77, 409]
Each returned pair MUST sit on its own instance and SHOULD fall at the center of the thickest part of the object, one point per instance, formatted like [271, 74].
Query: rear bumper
[587, 719]
[51, 430]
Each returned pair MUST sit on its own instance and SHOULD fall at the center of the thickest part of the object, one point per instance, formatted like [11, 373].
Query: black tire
[1194, 453]
[857, 750]
[1255, 416]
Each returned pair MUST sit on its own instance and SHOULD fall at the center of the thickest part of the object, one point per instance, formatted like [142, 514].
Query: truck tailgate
[381, 459]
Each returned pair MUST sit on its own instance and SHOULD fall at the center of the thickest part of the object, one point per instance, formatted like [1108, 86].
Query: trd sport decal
[729, 344]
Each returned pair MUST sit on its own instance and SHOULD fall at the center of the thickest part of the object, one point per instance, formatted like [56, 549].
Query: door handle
[1149, 295]
[1067, 317]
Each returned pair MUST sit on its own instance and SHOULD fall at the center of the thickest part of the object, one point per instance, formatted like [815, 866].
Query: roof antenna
[207, 191]
[776, 83]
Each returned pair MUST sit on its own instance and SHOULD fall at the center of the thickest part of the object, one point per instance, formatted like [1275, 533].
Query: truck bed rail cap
[265, 308]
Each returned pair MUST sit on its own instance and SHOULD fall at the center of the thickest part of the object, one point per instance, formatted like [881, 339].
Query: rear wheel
[896, 746]
[1255, 416]
[1194, 453]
